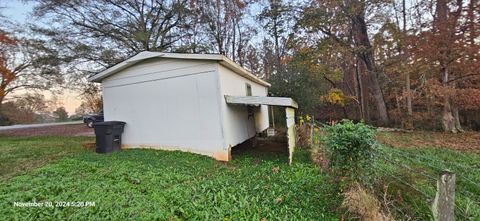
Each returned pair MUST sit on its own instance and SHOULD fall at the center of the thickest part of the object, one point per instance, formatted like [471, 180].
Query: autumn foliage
[400, 63]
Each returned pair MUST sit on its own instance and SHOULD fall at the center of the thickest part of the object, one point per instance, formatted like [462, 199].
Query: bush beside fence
[411, 184]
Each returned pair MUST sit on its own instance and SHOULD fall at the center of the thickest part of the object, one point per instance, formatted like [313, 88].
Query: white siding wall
[168, 103]
[237, 127]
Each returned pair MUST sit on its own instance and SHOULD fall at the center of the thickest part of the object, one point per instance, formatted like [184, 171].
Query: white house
[202, 103]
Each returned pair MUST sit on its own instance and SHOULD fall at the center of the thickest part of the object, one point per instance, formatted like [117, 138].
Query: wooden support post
[444, 204]
[290, 115]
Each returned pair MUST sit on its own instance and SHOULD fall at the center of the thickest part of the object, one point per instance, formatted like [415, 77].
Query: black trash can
[108, 136]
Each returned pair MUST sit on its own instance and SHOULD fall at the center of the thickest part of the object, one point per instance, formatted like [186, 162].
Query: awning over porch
[289, 104]
[257, 100]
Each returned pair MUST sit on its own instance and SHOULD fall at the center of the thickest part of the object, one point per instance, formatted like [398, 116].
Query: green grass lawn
[166, 185]
[163, 185]
[19, 154]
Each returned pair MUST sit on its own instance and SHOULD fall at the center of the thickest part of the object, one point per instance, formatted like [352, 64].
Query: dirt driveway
[57, 130]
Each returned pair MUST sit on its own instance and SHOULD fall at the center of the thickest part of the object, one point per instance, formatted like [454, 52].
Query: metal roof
[149, 54]
[257, 100]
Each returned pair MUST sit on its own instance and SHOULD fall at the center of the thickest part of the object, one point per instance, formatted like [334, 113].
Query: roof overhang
[149, 54]
[258, 100]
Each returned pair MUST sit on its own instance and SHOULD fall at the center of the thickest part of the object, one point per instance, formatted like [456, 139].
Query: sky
[16, 9]
[19, 11]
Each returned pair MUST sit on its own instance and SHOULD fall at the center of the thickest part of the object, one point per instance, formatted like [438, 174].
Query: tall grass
[407, 177]
[404, 179]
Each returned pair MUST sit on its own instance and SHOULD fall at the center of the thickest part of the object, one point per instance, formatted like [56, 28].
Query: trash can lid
[109, 123]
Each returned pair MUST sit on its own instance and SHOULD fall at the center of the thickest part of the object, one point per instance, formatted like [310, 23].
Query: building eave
[148, 54]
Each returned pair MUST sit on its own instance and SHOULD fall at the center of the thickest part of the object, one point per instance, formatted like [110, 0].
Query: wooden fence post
[444, 204]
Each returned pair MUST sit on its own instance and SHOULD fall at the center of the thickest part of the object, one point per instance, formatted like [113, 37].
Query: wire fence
[436, 166]
[417, 172]
[425, 170]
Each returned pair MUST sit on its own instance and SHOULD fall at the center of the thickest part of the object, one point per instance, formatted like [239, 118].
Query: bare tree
[131, 25]
[277, 18]
[223, 25]
[26, 64]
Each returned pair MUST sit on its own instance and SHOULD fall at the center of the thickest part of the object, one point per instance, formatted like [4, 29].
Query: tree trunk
[365, 95]
[399, 110]
[277, 44]
[359, 91]
[456, 116]
[451, 118]
[447, 117]
[2, 95]
[409, 123]
[352, 84]
[449, 122]
[365, 53]
[380, 102]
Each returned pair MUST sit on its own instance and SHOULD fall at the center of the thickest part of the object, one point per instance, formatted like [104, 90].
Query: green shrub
[350, 150]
